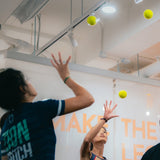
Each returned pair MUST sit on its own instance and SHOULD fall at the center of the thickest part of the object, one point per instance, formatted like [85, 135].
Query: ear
[22, 89]
[91, 146]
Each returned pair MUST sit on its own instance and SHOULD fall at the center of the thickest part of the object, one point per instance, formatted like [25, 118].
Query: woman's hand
[108, 114]
[61, 67]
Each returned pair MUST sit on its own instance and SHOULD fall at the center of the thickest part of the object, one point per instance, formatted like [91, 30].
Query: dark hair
[3, 118]
[10, 93]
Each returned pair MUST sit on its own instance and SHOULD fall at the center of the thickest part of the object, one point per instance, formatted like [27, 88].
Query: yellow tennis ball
[148, 14]
[122, 94]
[91, 20]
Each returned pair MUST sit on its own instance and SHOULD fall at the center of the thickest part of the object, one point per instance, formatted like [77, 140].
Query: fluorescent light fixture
[138, 1]
[28, 9]
[109, 9]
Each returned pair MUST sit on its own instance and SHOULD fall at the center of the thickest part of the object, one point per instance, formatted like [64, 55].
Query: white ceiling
[6, 8]
[126, 33]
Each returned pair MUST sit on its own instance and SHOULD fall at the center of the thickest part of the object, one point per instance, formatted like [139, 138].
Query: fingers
[106, 102]
[53, 64]
[114, 107]
[60, 58]
[54, 60]
[110, 104]
[114, 116]
[68, 60]
[105, 106]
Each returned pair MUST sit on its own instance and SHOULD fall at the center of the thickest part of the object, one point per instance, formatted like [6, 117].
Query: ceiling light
[147, 113]
[28, 9]
[109, 9]
[138, 1]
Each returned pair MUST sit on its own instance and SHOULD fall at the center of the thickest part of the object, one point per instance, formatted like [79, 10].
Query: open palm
[61, 67]
[108, 114]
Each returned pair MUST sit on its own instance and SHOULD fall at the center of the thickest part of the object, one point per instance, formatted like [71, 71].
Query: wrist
[104, 119]
[66, 78]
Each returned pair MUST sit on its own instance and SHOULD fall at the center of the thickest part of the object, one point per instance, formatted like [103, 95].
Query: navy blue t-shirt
[28, 132]
[93, 157]
[153, 153]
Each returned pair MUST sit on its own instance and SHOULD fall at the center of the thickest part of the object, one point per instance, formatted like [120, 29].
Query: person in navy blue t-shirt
[28, 132]
[153, 153]
[93, 143]
[2, 120]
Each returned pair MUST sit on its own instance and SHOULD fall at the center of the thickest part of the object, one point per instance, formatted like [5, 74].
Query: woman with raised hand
[93, 143]
[28, 132]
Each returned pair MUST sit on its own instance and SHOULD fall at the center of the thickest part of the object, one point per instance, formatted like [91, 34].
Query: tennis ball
[148, 14]
[122, 94]
[91, 20]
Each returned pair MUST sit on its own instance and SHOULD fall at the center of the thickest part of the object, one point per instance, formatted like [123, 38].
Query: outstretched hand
[61, 67]
[108, 114]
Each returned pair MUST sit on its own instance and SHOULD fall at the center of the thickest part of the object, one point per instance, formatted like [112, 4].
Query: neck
[98, 149]
[28, 99]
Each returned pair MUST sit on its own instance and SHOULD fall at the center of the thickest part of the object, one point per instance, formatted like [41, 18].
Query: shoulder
[48, 101]
[151, 152]
[154, 148]
[43, 101]
[50, 107]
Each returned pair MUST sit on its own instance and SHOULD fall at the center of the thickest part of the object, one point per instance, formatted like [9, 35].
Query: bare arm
[108, 114]
[81, 100]
[82, 97]
[85, 150]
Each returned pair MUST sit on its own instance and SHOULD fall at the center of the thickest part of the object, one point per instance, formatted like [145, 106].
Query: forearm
[76, 88]
[93, 132]
[81, 100]
[83, 95]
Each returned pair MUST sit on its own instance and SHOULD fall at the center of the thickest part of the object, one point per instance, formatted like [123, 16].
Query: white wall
[71, 131]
